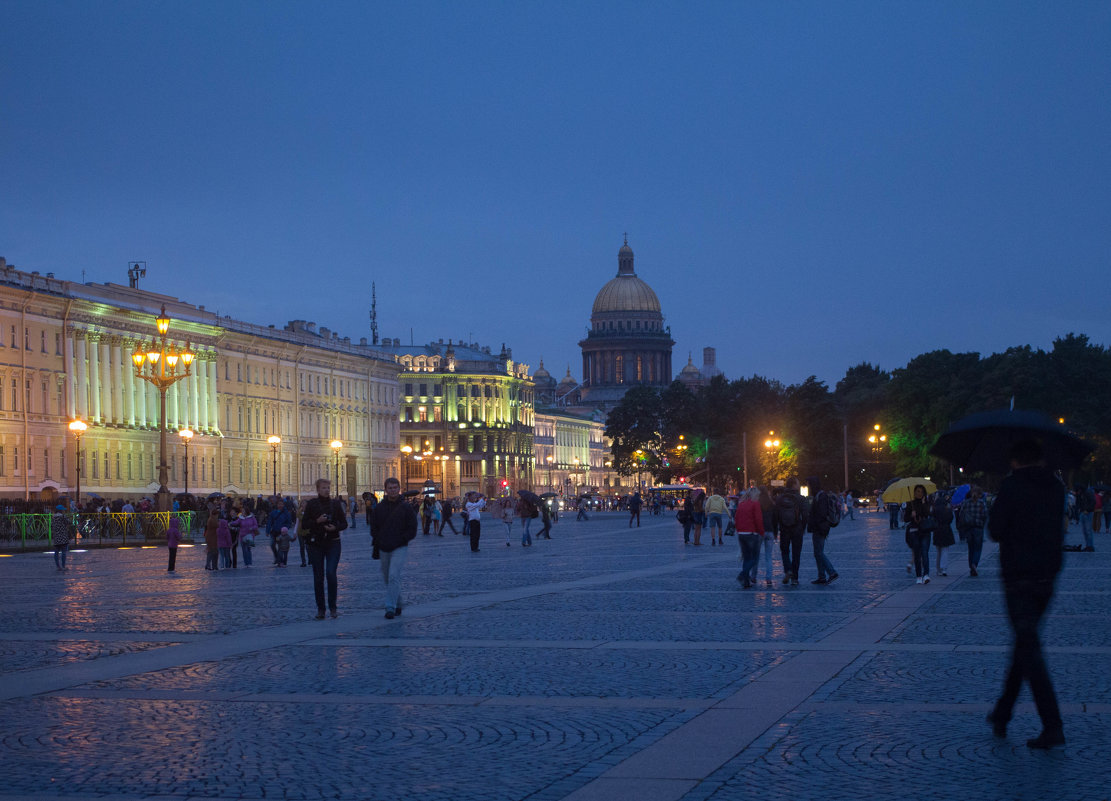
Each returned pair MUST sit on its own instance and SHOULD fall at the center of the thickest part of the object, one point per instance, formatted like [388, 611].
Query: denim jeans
[60, 552]
[392, 563]
[750, 553]
[1086, 529]
[526, 535]
[921, 540]
[1027, 602]
[825, 567]
[769, 546]
[325, 561]
[975, 537]
[687, 530]
[247, 548]
[225, 558]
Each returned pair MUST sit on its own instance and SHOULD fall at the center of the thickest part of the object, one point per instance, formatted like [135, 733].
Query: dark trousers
[1027, 602]
[634, 514]
[173, 560]
[234, 551]
[545, 532]
[447, 522]
[790, 549]
[303, 546]
[274, 546]
[474, 529]
[324, 560]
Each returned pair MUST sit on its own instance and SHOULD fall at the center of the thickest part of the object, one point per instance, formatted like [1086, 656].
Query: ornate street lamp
[162, 365]
[336, 446]
[274, 441]
[186, 437]
[78, 428]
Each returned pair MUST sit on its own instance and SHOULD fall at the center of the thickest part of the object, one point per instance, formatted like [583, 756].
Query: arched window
[619, 369]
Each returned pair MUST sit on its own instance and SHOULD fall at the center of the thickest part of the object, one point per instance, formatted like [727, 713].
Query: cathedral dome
[542, 377]
[626, 292]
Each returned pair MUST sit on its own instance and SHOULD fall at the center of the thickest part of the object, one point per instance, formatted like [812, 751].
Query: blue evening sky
[805, 185]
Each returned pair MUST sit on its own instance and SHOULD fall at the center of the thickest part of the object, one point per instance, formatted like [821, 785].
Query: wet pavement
[606, 663]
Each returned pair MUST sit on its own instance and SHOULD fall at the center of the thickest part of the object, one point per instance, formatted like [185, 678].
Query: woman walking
[943, 534]
[507, 515]
[224, 543]
[767, 509]
[248, 528]
[211, 546]
[698, 515]
[920, 526]
[527, 512]
[749, 522]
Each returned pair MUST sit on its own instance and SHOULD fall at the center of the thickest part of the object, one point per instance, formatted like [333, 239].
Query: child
[173, 539]
[283, 547]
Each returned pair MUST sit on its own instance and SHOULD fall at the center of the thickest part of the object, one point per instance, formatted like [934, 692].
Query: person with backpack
[943, 534]
[825, 513]
[790, 515]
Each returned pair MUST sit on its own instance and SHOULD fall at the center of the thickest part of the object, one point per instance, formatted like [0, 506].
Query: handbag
[928, 523]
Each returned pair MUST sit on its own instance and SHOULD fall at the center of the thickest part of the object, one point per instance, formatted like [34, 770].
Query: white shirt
[474, 508]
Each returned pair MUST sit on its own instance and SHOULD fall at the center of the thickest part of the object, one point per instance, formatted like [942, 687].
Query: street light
[407, 451]
[877, 439]
[275, 441]
[78, 428]
[640, 463]
[186, 437]
[162, 365]
[336, 445]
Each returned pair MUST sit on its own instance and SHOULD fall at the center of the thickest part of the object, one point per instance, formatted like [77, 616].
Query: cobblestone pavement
[607, 663]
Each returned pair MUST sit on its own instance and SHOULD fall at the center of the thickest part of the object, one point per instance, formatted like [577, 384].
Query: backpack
[833, 509]
[788, 510]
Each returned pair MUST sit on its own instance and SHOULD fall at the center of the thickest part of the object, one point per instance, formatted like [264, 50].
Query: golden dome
[626, 293]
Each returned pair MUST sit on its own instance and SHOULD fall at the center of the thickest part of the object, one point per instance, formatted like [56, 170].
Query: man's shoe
[1047, 739]
[398, 610]
[972, 571]
[1090, 549]
[390, 614]
[794, 581]
[926, 579]
[787, 579]
[335, 614]
[741, 578]
[319, 614]
[918, 580]
[820, 581]
[832, 578]
[998, 727]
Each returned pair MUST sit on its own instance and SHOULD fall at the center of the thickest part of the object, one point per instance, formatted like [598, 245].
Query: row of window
[13, 339]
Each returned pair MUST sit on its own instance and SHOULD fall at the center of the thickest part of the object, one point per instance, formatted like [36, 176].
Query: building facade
[66, 355]
[572, 454]
[466, 417]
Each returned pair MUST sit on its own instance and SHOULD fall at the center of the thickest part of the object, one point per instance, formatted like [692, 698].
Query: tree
[634, 424]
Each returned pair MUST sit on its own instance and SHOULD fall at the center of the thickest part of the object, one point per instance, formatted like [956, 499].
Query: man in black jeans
[791, 515]
[1028, 521]
[323, 520]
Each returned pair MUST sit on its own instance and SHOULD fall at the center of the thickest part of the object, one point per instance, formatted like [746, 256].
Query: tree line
[882, 423]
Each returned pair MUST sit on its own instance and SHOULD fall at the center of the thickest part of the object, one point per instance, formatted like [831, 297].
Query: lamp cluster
[160, 362]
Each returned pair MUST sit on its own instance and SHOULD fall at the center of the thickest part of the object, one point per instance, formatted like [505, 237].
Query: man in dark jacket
[321, 524]
[393, 525]
[790, 515]
[1028, 521]
[818, 526]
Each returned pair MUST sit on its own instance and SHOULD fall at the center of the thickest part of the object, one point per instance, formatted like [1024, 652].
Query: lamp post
[336, 446]
[274, 441]
[772, 447]
[877, 439]
[186, 437]
[162, 365]
[78, 428]
[640, 463]
[406, 452]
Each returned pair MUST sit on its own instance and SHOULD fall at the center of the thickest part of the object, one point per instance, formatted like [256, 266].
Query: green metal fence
[26, 531]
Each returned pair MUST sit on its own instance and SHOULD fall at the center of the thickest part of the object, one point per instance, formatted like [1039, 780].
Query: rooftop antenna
[135, 271]
[373, 314]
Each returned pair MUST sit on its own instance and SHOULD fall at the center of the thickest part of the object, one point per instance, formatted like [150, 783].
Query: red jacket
[749, 518]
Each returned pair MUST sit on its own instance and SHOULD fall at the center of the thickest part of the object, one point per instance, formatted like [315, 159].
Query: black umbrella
[529, 496]
[983, 441]
[215, 495]
[410, 493]
[549, 494]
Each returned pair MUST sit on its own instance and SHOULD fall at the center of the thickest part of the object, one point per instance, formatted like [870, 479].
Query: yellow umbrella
[902, 490]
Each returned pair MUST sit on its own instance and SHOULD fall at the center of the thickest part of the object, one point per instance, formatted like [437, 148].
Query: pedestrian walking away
[749, 522]
[824, 511]
[1028, 522]
[321, 525]
[973, 518]
[634, 509]
[715, 517]
[791, 516]
[211, 539]
[943, 534]
[173, 539]
[920, 528]
[393, 525]
[60, 536]
[546, 518]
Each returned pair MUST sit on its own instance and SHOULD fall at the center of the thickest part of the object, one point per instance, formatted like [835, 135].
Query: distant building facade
[466, 417]
[65, 354]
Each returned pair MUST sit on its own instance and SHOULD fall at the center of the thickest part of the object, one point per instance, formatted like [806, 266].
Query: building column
[105, 375]
[71, 377]
[117, 383]
[213, 411]
[201, 391]
[93, 350]
[194, 381]
[128, 388]
[173, 418]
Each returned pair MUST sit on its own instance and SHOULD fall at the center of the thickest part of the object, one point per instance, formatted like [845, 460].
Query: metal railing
[33, 531]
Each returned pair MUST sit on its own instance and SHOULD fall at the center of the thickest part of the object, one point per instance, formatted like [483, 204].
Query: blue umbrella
[959, 493]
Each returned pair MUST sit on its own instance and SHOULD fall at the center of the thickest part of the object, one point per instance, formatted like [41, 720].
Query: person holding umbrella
[472, 511]
[920, 526]
[1027, 520]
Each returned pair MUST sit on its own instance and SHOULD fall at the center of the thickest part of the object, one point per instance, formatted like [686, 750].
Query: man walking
[790, 512]
[818, 525]
[323, 520]
[473, 514]
[1027, 520]
[393, 525]
[634, 509]
[974, 516]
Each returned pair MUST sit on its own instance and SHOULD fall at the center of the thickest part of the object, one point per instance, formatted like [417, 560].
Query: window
[129, 472]
[619, 370]
[423, 413]
[436, 390]
[106, 473]
[58, 346]
[239, 373]
[424, 390]
[46, 463]
[118, 476]
[26, 338]
[43, 338]
[317, 385]
[45, 405]
[14, 342]
[302, 378]
[409, 389]
[96, 466]
[438, 414]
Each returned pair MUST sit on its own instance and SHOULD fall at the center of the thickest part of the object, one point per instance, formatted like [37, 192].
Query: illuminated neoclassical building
[466, 417]
[65, 354]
